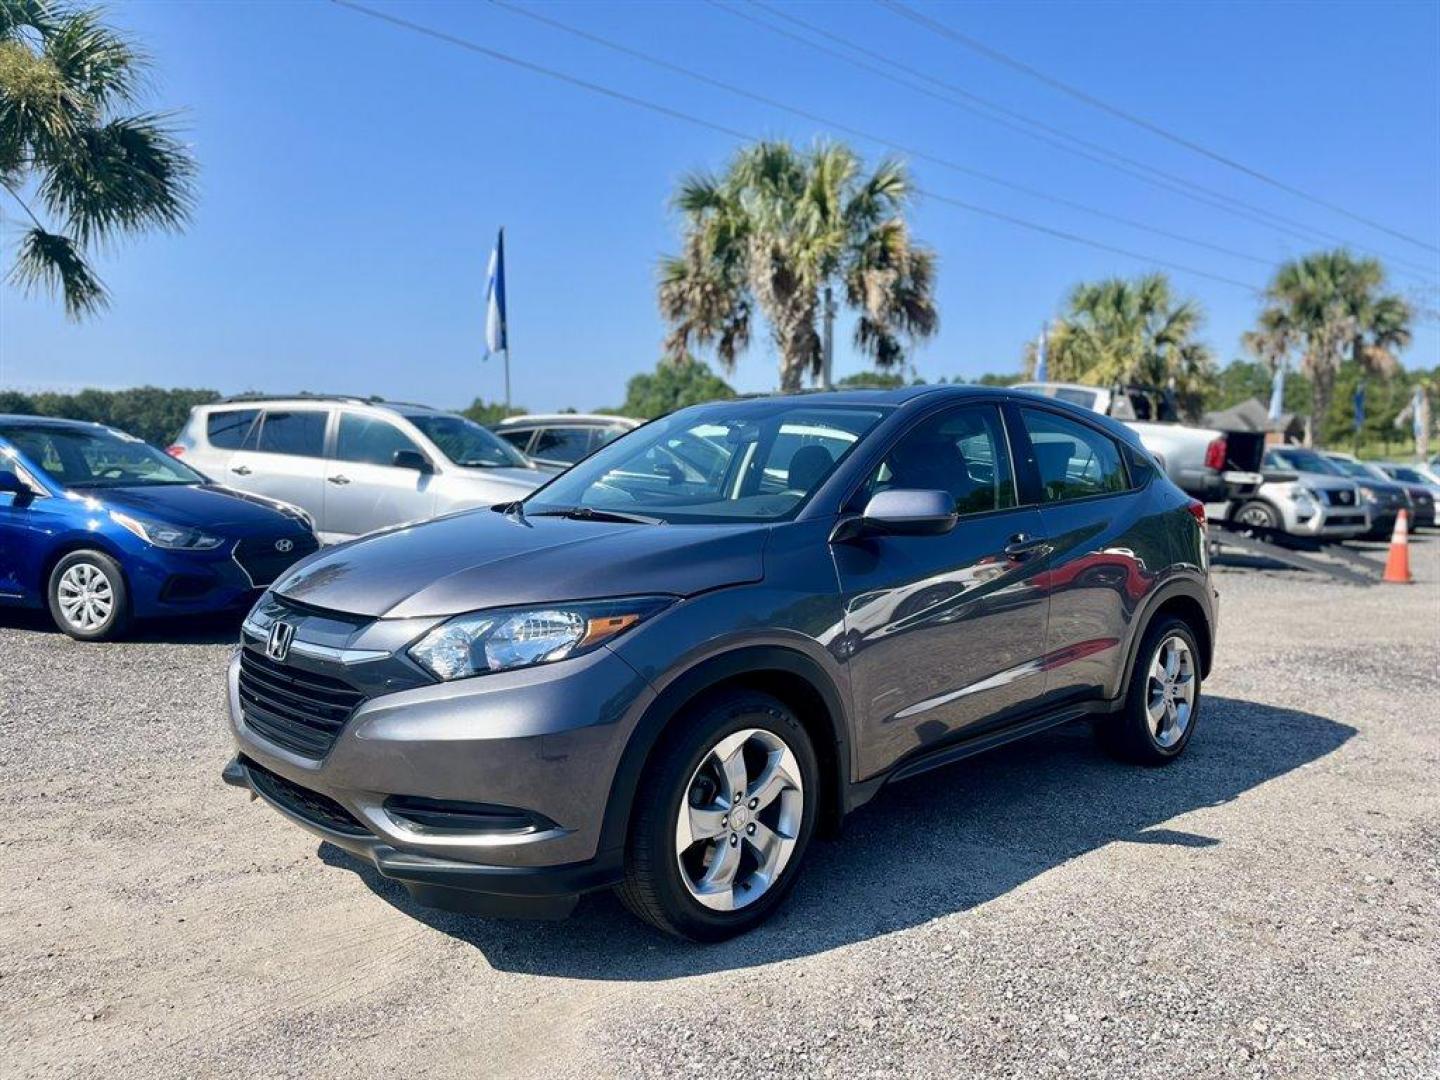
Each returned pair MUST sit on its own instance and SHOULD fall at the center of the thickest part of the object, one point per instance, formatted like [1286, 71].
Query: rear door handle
[241, 470]
[338, 479]
[1023, 545]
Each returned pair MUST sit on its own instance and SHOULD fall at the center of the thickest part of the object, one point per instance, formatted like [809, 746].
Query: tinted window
[227, 429]
[567, 444]
[301, 432]
[368, 440]
[516, 437]
[1074, 460]
[467, 443]
[961, 451]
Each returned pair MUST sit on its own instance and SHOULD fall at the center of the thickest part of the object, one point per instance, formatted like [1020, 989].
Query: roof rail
[302, 396]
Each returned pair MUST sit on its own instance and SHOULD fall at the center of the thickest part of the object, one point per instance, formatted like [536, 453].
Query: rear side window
[300, 432]
[370, 441]
[567, 444]
[226, 429]
[1075, 460]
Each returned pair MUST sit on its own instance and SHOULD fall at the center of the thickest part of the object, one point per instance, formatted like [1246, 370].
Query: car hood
[481, 558]
[521, 479]
[208, 507]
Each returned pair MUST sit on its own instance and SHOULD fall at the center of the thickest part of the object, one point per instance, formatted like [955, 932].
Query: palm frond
[56, 264]
[94, 60]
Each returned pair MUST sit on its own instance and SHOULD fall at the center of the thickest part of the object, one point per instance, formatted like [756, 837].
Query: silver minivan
[354, 465]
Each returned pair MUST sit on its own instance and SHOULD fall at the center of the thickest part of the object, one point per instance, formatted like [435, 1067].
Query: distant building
[1254, 415]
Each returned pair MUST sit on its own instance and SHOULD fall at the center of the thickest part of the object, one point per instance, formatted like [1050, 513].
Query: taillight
[176, 450]
[1215, 454]
[1197, 511]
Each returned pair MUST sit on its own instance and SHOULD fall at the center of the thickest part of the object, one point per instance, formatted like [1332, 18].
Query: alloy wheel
[1170, 691]
[739, 820]
[86, 597]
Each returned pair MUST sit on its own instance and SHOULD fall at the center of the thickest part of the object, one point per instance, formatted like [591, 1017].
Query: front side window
[226, 429]
[961, 451]
[369, 441]
[731, 461]
[517, 437]
[299, 432]
[1301, 460]
[84, 458]
[1074, 460]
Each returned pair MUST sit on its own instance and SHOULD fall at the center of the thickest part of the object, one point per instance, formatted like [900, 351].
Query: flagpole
[507, 374]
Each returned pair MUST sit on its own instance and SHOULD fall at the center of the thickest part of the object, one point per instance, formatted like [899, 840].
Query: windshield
[97, 457]
[1303, 461]
[1353, 468]
[467, 443]
[1410, 476]
[733, 461]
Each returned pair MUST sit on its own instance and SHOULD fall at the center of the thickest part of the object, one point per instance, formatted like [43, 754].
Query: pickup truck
[1209, 465]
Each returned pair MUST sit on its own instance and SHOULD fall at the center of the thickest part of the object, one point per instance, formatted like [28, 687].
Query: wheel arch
[784, 673]
[68, 546]
[1185, 598]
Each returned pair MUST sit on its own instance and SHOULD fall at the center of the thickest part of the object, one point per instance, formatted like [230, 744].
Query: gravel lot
[1267, 906]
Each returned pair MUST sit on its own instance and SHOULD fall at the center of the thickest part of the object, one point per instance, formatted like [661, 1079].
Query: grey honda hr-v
[671, 667]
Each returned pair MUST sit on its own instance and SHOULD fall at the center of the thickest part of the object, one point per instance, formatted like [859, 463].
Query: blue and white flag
[1042, 367]
[1277, 391]
[1359, 402]
[497, 338]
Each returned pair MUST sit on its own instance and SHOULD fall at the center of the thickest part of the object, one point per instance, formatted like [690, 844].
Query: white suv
[354, 465]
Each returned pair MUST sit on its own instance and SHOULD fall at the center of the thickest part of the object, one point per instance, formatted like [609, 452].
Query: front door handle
[338, 479]
[241, 470]
[1023, 545]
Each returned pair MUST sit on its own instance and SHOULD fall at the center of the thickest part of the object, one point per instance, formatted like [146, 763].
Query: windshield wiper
[590, 513]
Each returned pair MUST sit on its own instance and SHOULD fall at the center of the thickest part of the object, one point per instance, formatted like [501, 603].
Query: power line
[880, 140]
[959, 97]
[941, 29]
[690, 118]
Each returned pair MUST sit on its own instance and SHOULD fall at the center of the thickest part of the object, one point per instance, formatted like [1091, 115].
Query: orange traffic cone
[1397, 566]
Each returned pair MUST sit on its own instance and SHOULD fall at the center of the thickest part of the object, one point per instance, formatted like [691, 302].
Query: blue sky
[353, 177]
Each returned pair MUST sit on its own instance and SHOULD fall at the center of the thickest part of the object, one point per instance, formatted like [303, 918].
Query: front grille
[263, 562]
[298, 710]
[302, 802]
[1339, 498]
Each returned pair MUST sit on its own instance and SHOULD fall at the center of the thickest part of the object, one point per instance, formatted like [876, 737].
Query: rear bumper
[528, 892]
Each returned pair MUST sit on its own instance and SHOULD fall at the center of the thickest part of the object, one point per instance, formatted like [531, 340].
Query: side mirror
[903, 512]
[412, 459]
[11, 484]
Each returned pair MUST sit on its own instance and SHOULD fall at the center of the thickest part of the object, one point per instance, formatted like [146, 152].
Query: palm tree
[1122, 332]
[73, 151]
[1329, 304]
[772, 233]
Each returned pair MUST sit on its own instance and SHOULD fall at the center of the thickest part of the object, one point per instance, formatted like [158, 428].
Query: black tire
[119, 615]
[653, 888]
[1127, 734]
[1258, 508]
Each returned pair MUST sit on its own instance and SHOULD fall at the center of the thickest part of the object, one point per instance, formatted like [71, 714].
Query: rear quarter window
[227, 428]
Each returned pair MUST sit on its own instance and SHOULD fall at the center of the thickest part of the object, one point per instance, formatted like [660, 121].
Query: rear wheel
[1162, 702]
[723, 820]
[87, 596]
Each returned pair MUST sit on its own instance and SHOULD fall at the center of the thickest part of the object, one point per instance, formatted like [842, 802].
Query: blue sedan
[100, 527]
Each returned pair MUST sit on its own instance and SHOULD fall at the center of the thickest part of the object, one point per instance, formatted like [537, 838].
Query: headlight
[507, 638]
[173, 537]
[1367, 493]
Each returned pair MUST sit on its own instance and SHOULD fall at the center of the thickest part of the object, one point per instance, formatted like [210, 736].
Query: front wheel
[723, 819]
[1258, 512]
[1162, 701]
[87, 596]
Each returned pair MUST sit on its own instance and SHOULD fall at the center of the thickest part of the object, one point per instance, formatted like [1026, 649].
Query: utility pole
[827, 343]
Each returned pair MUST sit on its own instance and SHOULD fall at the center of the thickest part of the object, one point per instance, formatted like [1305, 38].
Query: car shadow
[208, 629]
[939, 844]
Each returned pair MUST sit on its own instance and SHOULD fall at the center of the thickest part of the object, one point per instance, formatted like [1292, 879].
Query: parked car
[100, 527]
[1429, 472]
[667, 679]
[1314, 506]
[355, 465]
[1213, 466]
[1381, 503]
[1387, 496]
[1422, 490]
[559, 440]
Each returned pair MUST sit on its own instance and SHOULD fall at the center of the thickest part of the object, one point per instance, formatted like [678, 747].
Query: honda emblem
[278, 646]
